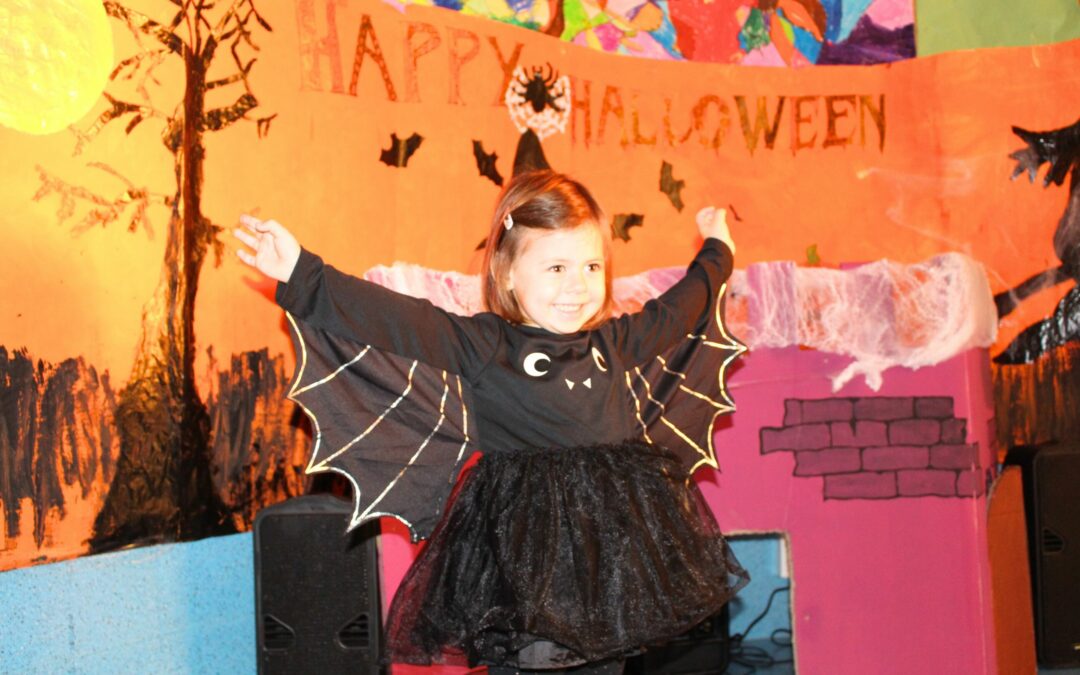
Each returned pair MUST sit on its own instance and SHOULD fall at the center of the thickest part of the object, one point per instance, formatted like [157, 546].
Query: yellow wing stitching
[368, 513]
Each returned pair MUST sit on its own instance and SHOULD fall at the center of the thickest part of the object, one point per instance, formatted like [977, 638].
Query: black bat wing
[400, 151]
[411, 145]
[680, 393]
[671, 187]
[398, 429]
[485, 163]
[622, 222]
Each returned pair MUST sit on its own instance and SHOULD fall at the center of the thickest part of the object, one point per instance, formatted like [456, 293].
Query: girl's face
[558, 277]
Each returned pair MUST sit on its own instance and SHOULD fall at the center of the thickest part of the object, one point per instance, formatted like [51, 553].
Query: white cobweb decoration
[556, 104]
[881, 314]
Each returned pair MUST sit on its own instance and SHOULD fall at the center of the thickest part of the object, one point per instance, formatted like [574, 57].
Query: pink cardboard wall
[881, 495]
[896, 581]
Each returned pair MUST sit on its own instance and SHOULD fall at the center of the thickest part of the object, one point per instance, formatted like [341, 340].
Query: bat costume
[579, 535]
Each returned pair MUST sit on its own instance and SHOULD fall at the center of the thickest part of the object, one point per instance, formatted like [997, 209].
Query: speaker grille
[1056, 565]
[317, 590]
[356, 634]
[277, 635]
[1052, 542]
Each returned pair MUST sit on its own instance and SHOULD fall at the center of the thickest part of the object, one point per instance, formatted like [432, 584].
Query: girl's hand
[712, 222]
[276, 250]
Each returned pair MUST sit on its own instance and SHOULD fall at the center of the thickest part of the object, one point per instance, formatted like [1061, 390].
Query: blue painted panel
[190, 608]
[174, 608]
[760, 556]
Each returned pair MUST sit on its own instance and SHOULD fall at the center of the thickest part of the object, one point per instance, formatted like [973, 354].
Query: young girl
[574, 541]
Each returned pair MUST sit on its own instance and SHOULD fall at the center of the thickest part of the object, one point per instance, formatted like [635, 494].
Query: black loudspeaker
[316, 589]
[1052, 502]
[705, 650]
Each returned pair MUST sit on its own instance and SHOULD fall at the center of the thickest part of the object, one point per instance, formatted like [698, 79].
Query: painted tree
[163, 489]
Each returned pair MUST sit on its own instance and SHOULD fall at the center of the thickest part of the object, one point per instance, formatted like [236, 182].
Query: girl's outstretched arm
[712, 224]
[275, 248]
[349, 307]
[665, 320]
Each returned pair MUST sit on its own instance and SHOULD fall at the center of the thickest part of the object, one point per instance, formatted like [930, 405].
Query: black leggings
[602, 668]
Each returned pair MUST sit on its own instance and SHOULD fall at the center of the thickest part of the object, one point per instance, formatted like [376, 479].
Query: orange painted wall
[929, 174]
[938, 181]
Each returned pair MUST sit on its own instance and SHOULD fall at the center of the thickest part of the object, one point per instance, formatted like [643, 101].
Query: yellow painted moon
[55, 58]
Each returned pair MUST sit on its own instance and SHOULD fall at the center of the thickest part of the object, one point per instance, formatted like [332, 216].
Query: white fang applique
[598, 358]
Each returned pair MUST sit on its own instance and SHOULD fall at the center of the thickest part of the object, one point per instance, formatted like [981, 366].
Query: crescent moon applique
[599, 359]
[532, 362]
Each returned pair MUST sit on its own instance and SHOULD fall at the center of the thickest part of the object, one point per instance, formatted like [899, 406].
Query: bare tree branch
[213, 239]
[173, 133]
[219, 118]
[238, 77]
[233, 13]
[138, 22]
[103, 211]
[117, 109]
[153, 58]
[200, 15]
[239, 32]
[262, 125]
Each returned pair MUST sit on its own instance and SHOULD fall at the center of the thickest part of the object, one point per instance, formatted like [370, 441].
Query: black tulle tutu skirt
[552, 558]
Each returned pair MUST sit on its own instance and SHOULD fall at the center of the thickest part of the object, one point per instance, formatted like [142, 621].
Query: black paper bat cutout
[671, 187]
[622, 222]
[399, 152]
[485, 163]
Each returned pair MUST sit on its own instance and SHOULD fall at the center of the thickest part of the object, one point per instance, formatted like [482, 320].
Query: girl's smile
[558, 277]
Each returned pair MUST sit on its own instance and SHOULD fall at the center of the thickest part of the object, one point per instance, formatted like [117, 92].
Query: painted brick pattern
[822, 462]
[880, 447]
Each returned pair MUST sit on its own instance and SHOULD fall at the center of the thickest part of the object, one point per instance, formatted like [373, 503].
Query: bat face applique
[575, 374]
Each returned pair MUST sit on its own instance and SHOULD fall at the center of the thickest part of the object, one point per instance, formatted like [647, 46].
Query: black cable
[781, 637]
[768, 605]
[753, 657]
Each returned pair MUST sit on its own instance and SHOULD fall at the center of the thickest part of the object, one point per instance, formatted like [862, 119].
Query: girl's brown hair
[537, 200]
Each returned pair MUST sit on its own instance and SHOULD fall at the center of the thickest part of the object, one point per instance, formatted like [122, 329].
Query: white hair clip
[508, 221]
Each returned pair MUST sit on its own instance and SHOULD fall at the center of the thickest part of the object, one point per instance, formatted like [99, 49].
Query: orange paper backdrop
[900, 161]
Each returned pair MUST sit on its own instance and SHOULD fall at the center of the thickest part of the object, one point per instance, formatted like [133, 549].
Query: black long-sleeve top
[530, 388]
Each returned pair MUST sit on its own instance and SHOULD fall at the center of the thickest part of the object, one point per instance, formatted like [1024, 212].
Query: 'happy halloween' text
[601, 113]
